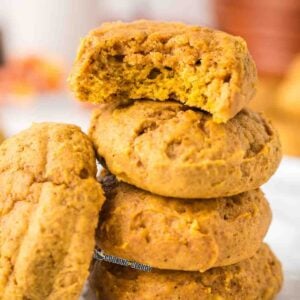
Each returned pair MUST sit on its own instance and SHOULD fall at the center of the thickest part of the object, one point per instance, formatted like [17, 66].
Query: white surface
[282, 191]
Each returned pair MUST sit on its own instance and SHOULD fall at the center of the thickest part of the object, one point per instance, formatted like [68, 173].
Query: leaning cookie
[49, 204]
[177, 234]
[172, 150]
[259, 277]
[197, 66]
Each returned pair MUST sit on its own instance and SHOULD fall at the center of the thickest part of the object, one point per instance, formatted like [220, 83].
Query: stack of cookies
[185, 162]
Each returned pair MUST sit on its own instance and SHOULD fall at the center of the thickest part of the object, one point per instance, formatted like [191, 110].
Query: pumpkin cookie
[177, 234]
[259, 277]
[197, 66]
[172, 150]
[49, 204]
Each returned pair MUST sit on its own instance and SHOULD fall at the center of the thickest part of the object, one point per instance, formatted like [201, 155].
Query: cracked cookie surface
[172, 150]
[177, 234]
[197, 66]
[49, 205]
[259, 277]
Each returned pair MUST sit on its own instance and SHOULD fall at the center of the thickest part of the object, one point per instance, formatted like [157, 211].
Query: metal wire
[101, 256]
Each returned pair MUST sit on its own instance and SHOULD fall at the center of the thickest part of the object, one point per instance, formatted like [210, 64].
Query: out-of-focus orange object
[266, 93]
[270, 27]
[287, 109]
[30, 75]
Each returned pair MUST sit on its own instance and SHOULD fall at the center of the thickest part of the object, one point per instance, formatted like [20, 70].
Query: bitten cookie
[259, 277]
[177, 234]
[197, 66]
[172, 150]
[49, 205]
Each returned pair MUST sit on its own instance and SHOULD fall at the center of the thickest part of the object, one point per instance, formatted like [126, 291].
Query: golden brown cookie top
[239, 206]
[172, 150]
[65, 146]
[185, 134]
[49, 205]
[198, 66]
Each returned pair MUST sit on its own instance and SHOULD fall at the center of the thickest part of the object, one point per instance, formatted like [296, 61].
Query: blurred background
[39, 38]
[38, 42]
